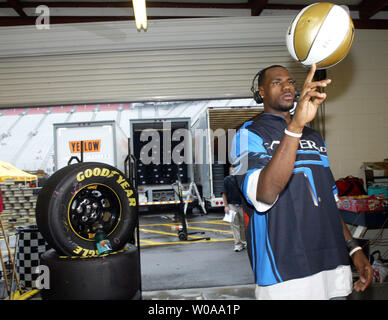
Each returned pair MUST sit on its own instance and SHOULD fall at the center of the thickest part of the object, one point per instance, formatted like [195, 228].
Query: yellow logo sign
[88, 145]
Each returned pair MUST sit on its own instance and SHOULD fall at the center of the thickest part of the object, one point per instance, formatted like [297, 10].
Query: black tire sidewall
[65, 239]
[44, 204]
[110, 277]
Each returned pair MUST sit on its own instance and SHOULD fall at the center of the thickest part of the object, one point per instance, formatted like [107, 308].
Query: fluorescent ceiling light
[140, 11]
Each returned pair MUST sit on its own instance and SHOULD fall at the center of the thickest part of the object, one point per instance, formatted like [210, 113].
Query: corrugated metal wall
[112, 62]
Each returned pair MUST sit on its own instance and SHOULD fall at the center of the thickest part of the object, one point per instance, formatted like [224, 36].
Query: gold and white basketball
[321, 33]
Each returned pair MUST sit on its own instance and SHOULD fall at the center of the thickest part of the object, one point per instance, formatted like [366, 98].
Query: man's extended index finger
[311, 73]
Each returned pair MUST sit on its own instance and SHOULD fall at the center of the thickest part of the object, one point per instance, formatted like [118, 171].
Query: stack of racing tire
[72, 201]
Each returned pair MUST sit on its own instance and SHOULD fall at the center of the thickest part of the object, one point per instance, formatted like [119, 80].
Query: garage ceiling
[367, 14]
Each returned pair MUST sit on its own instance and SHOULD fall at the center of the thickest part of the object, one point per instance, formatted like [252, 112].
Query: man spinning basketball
[298, 245]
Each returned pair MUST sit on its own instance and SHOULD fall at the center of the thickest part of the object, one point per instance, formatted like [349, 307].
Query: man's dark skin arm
[275, 176]
[361, 262]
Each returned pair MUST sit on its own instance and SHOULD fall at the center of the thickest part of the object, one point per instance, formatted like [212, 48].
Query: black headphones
[256, 95]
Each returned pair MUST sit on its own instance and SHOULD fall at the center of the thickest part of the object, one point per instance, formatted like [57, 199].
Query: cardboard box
[362, 204]
[378, 168]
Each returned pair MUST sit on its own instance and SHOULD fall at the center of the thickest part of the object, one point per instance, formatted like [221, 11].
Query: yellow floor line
[218, 221]
[148, 242]
[186, 242]
[208, 229]
[143, 240]
[159, 232]
[197, 228]
[165, 233]
[160, 224]
[194, 228]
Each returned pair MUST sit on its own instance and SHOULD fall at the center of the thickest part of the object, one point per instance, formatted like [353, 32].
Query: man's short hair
[261, 77]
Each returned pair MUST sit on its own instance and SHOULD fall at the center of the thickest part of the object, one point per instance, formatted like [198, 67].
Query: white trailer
[101, 141]
[212, 132]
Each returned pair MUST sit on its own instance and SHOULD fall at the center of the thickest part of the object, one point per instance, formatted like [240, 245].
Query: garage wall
[357, 105]
[165, 75]
[113, 62]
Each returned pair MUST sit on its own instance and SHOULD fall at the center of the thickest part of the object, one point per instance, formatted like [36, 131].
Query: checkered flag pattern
[30, 246]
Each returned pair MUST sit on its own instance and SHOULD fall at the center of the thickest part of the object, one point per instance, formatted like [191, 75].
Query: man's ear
[261, 92]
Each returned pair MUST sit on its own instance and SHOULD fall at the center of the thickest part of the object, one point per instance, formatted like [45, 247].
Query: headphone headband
[256, 94]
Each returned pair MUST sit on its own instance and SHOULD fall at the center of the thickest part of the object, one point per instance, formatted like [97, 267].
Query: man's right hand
[309, 101]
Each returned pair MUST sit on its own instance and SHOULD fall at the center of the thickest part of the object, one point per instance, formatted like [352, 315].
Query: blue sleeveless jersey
[302, 232]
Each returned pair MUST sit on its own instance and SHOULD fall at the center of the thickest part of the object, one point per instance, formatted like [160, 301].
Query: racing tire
[79, 197]
[115, 276]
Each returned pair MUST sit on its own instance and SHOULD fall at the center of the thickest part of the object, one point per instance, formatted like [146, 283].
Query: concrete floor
[237, 292]
[200, 270]
[168, 263]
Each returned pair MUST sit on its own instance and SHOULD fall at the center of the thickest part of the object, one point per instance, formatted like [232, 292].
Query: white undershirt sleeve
[251, 193]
